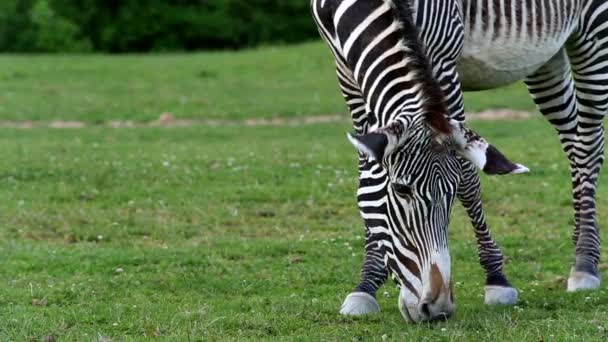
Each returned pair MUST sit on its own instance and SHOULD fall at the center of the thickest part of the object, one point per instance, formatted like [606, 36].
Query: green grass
[243, 233]
[269, 82]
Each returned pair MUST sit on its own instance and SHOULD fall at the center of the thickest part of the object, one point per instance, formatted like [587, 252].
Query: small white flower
[114, 324]
[119, 270]
[386, 294]
[384, 337]
[99, 237]
[444, 329]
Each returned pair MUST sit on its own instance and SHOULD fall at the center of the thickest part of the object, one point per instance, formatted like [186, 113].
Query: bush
[15, 25]
[54, 33]
[150, 25]
[33, 26]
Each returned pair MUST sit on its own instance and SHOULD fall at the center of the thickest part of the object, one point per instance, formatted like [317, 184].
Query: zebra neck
[379, 47]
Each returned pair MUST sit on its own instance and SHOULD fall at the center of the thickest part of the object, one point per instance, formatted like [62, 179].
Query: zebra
[398, 59]
[406, 140]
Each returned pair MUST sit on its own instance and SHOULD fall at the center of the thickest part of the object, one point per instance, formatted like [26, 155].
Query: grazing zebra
[406, 140]
[402, 65]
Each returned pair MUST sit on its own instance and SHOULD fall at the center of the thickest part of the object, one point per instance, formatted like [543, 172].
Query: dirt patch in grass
[499, 114]
[169, 120]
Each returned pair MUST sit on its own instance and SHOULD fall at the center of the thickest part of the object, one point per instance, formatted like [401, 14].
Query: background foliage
[150, 25]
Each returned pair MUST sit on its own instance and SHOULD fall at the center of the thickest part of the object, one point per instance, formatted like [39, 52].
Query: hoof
[358, 304]
[580, 281]
[500, 295]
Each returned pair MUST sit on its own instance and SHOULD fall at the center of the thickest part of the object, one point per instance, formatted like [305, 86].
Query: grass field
[267, 83]
[243, 233]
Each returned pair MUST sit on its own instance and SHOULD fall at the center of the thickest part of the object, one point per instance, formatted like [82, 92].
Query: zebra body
[493, 54]
[402, 66]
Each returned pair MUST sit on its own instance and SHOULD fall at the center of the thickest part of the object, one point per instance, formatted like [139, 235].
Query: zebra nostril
[425, 310]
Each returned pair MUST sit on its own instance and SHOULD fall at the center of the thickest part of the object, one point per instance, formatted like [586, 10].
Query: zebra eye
[402, 189]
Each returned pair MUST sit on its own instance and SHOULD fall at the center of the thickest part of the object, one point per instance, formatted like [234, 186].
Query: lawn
[243, 233]
[266, 83]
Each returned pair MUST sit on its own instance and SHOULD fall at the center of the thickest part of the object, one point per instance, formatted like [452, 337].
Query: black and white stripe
[399, 62]
[571, 91]
[386, 78]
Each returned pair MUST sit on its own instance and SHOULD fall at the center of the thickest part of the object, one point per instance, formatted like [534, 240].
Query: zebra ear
[498, 164]
[372, 145]
[485, 156]
[381, 142]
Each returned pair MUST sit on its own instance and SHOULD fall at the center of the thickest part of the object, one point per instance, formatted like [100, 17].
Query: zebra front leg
[498, 290]
[374, 272]
[362, 300]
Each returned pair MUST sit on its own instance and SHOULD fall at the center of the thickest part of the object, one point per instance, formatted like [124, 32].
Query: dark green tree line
[150, 25]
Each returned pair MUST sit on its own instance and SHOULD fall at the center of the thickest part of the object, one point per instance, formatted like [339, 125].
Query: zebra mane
[434, 103]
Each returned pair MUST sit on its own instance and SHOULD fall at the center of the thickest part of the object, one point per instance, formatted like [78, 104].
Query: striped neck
[380, 44]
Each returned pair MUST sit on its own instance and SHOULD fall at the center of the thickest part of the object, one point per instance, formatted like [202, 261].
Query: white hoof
[500, 295]
[580, 281]
[359, 303]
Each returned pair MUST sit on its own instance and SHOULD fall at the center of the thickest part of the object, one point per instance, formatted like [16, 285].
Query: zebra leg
[588, 52]
[553, 90]
[498, 289]
[362, 300]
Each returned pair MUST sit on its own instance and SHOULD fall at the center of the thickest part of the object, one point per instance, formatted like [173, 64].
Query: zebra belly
[497, 66]
[505, 41]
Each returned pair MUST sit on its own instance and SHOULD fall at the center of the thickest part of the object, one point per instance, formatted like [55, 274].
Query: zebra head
[423, 171]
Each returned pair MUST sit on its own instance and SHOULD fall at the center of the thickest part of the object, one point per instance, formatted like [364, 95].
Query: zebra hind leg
[588, 53]
[551, 84]
[498, 290]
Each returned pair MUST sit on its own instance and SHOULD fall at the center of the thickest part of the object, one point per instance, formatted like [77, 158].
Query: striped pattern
[520, 20]
[385, 76]
[571, 92]
[386, 79]
[398, 59]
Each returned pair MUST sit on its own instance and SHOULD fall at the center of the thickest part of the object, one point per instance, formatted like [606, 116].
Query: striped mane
[434, 103]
